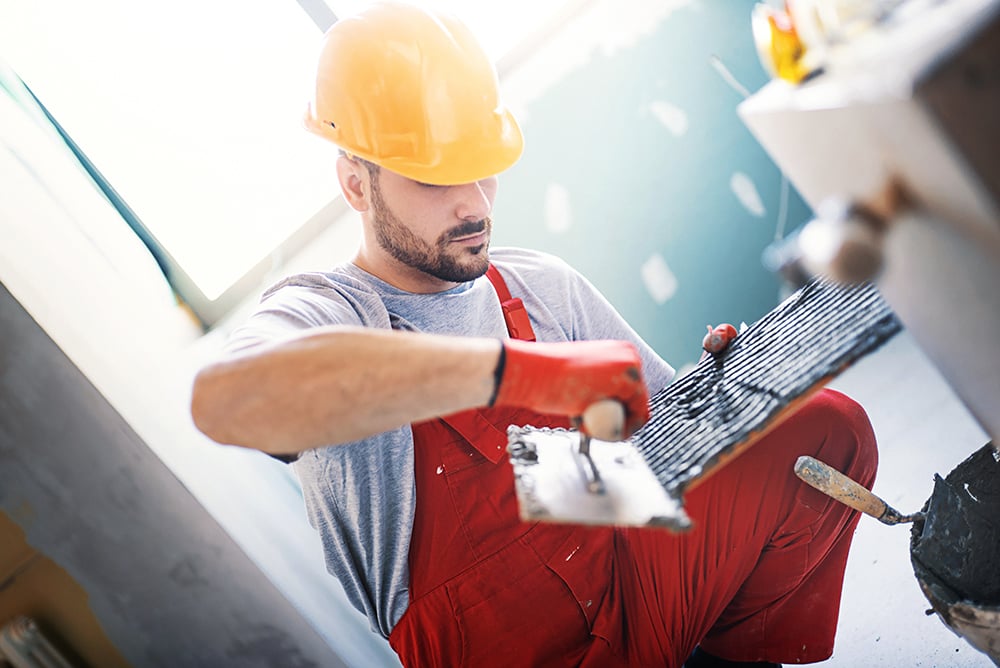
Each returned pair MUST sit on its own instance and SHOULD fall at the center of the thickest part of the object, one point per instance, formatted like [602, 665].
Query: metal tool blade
[562, 475]
[593, 477]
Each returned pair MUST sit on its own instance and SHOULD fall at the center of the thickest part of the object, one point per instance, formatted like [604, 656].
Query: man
[396, 375]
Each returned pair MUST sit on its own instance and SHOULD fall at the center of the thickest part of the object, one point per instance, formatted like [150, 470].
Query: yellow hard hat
[413, 91]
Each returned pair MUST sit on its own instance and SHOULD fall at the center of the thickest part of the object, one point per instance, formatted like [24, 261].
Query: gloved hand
[718, 339]
[566, 378]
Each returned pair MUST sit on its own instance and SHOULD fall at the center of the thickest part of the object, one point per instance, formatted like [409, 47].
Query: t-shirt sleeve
[594, 317]
[288, 308]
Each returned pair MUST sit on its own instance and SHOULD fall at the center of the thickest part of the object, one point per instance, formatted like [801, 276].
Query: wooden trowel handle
[605, 420]
[838, 486]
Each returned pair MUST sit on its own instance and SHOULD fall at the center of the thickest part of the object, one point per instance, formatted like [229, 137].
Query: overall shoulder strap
[514, 312]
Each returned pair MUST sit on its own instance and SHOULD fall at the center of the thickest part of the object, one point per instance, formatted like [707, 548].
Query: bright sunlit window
[192, 110]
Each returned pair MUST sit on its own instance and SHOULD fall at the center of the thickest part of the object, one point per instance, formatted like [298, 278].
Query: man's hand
[566, 378]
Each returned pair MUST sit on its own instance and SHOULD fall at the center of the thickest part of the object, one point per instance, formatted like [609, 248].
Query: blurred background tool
[907, 101]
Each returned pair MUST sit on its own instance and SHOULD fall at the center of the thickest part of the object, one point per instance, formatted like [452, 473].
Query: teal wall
[635, 188]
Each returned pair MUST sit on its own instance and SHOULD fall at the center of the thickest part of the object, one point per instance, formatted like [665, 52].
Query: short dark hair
[368, 164]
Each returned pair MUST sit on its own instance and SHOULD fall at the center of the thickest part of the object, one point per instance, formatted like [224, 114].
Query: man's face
[447, 230]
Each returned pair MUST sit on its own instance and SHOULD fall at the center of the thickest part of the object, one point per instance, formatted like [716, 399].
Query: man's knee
[849, 434]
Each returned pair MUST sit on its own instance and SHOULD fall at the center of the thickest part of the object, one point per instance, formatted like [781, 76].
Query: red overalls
[758, 578]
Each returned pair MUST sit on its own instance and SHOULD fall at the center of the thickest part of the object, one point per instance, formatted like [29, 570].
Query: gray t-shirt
[361, 496]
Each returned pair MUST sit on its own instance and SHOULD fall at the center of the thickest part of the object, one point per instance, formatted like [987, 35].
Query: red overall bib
[759, 577]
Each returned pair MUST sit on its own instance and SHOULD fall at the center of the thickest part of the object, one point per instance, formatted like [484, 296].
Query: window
[191, 112]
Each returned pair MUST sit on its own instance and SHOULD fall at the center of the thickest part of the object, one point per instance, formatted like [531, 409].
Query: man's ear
[350, 174]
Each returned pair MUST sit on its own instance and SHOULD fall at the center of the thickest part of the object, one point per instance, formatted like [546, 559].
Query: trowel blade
[551, 476]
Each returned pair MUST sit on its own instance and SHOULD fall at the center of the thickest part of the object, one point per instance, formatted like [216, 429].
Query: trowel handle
[604, 420]
[838, 486]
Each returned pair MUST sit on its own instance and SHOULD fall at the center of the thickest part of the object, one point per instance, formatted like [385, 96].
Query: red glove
[566, 378]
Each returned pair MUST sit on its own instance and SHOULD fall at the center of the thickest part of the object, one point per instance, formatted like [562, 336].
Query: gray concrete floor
[922, 429]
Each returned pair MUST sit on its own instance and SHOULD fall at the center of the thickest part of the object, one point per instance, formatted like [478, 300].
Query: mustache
[468, 228]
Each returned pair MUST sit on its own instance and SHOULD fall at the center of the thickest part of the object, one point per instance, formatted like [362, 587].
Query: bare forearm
[340, 384]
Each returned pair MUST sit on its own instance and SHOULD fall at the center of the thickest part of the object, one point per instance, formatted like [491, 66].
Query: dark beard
[432, 259]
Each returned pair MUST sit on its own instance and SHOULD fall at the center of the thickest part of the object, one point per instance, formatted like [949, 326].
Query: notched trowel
[566, 476]
[702, 420]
